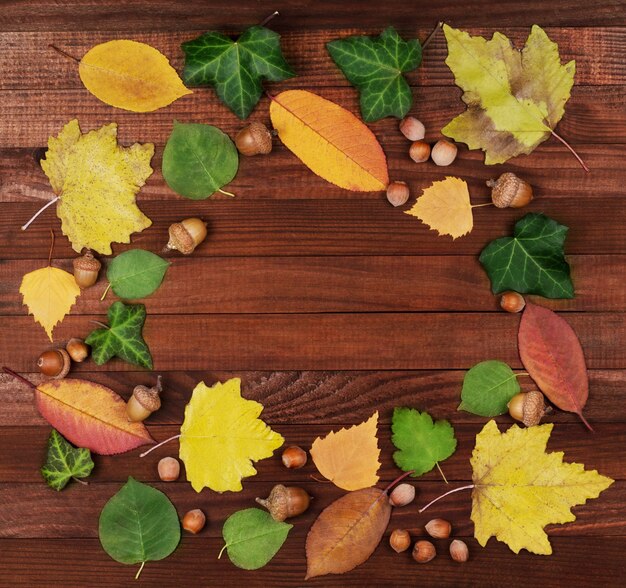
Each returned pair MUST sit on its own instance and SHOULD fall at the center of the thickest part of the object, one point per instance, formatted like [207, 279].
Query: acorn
[186, 235]
[527, 407]
[77, 349]
[144, 402]
[86, 269]
[397, 193]
[509, 191]
[254, 139]
[54, 363]
[285, 502]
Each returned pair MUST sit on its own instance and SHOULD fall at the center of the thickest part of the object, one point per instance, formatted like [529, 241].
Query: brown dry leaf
[347, 532]
[349, 458]
[445, 207]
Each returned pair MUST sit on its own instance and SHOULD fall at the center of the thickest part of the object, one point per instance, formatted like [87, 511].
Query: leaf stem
[398, 479]
[101, 324]
[80, 481]
[51, 247]
[572, 150]
[225, 192]
[64, 53]
[222, 550]
[105, 292]
[584, 420]
[268, 18]
[159, 445]
[441, 472]
[16, 375]
[484, 204]
[469, 487]
[32, 218]
[318, 480]
[143, 563]
[522, 374]
[432, 34]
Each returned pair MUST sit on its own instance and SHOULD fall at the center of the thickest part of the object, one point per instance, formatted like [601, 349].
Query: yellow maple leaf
[445, 207]
[97, 181]
[130, 75]
[49, 293]
[519, 488]
[222, 435]
[349, 457]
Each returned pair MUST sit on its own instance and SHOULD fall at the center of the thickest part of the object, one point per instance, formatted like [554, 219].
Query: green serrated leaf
[532, 261]
[236, 69]
[138, 524]
[421, 443]
[136, 273]
[198, 160]
[375, 66]
[64, 462]
[123, 337]
[253, 538]
[487, 388]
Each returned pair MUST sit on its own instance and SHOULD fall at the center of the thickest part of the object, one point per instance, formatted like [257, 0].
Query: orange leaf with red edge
[554, 358]
[90, 415]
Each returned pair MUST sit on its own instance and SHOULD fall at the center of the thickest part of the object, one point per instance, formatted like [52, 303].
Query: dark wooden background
[329, 304]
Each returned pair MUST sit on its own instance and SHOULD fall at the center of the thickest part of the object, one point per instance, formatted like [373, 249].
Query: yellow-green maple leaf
[222, 435]
[514, 99]
[519, 488]
[97, 181]
[49, 293]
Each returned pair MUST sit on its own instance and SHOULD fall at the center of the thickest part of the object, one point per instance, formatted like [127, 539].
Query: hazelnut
[459, 551]
[439, 528]
[444, 152]
[512, 302]
[194, 521]
[294, 457]
[77, 349]
[424, 551]
[400, 540]
[397, 193]
[419, 151]
[402, 495]
[412, 129]
[169, 469]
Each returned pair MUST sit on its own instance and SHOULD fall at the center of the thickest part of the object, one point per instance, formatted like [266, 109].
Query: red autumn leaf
[90, 415]
[553, 356]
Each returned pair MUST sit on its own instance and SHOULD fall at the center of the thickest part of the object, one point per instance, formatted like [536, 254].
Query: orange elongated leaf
[554, 358]
[90, 415]
[330, 141]
[347, 532]
[349, 458]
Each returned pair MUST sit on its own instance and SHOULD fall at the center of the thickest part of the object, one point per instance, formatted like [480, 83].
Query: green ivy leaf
[375, 66]
[122, 338]
[138, 524]
[198, 160]
[421, 443]
[487, 388]
[236, 69]
[64, 462]
[136, 273]
[532, 261]
[253, 538]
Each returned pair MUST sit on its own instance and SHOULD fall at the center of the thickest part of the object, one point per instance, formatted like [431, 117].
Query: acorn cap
[533, 409]
[505, 189]
[87, 262]
[180, 239]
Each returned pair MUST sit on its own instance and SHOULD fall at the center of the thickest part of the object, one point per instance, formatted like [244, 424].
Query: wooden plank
[325, 341]
[28, 62]
[167, 15]
[76, 562]
[312, 397]
[594, 114]
[331, 284]
[324, 227]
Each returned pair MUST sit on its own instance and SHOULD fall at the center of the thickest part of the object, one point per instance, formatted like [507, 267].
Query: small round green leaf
[198, 160]
[487, 388]
[253, 538]
[136, 273]
[139, 524]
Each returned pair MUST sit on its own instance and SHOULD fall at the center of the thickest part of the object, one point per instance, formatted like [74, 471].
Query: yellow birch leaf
[97, 181]
[222, 435]
[349, 458]
[519, 488]
[330, 141]
[445, 207]
[49, 293]
[130, 75]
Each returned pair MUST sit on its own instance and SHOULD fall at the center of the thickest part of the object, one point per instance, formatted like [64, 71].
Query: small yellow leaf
[445, 207]
[130, 75]
[222, 435]
[519, 488]
[349, 458]
[49, 293]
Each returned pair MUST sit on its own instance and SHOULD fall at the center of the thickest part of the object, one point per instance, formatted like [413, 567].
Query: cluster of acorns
[423, 550]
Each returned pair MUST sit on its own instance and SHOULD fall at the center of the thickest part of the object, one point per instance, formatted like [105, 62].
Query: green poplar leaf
[253, 538]
[122, 338]
[198, 160]
[139, 524]
[532, 261]
[487, 388]
[136, 273]
[236, 69]
[421, 443]
[375, 66]
[64, 462]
